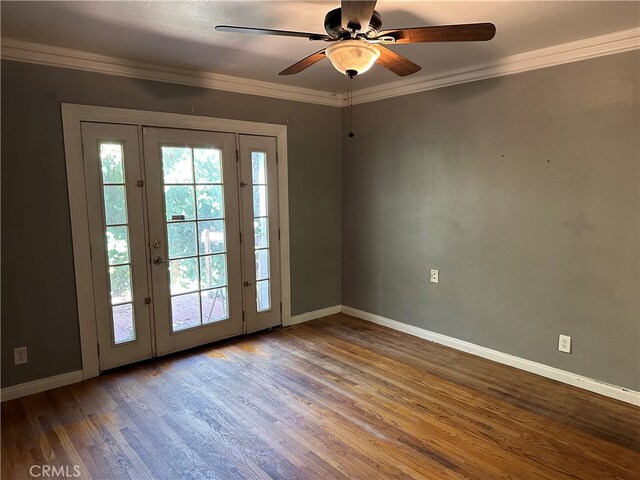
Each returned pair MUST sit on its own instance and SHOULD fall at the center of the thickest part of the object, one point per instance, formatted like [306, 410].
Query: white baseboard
[586, 383]
[305, 317]
[40, 385]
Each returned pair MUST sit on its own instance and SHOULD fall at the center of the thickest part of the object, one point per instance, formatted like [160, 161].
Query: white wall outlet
[434, 276]
[20, 355]
[564, 343]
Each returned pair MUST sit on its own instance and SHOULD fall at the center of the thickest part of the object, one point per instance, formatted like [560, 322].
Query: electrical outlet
[564, 343]
[434, 276]
[20, 355]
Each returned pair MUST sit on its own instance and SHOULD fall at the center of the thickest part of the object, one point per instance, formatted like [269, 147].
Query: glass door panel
[193, 220]
[258, 169]
[195, 217]
[261, 219]
[112, 170]
[117, 238]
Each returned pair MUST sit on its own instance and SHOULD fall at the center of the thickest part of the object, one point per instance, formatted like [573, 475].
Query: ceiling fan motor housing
[333, 25]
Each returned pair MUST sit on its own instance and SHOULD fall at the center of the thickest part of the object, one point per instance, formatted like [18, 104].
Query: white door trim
[72, 116]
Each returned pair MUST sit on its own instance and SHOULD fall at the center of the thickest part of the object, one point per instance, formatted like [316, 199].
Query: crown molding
[21, 51]
[617, 42]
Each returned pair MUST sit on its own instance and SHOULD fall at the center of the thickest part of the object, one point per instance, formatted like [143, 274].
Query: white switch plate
[20, 355]
[434, 276]
[564, 343]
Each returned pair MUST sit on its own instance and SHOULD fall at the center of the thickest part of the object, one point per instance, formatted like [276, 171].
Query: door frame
[72, 116]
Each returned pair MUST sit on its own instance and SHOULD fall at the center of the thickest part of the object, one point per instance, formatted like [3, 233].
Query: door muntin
[194, 207]
[193, 220]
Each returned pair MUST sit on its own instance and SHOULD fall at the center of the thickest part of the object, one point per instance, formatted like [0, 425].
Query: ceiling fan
[357, 41]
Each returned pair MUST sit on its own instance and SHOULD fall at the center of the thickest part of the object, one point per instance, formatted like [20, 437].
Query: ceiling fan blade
[395, 62]
[356, 14]
[269, 31]
[306, 62]
[471, 32]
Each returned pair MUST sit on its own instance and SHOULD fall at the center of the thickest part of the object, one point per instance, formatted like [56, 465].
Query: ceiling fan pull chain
[350, 105]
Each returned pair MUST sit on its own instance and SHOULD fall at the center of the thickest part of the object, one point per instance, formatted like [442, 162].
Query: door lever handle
[246, 284]
[158, 260]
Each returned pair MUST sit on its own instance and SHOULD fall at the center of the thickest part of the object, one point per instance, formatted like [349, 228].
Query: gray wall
[523, 192]
[38, 289]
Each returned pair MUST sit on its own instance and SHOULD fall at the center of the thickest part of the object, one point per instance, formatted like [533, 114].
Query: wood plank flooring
[333, 398]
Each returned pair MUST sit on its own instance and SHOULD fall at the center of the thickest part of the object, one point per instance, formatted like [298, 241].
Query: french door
[184, 237]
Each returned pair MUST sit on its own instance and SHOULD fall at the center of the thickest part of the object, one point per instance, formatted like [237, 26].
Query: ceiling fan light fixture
[352, 55]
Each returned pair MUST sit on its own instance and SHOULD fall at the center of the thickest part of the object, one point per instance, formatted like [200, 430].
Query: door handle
[158, 260]
[246, 284]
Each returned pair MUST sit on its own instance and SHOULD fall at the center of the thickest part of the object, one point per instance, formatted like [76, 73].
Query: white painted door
[192, 191]
[118, 252]
[184, 235]
[261, 234]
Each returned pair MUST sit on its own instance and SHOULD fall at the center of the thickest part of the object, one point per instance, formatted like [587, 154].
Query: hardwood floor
[333, 398]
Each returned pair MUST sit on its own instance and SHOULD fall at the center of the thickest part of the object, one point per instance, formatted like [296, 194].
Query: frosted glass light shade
[355, 54]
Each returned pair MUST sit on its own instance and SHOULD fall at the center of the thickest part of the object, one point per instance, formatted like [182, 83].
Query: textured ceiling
[181, 34]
